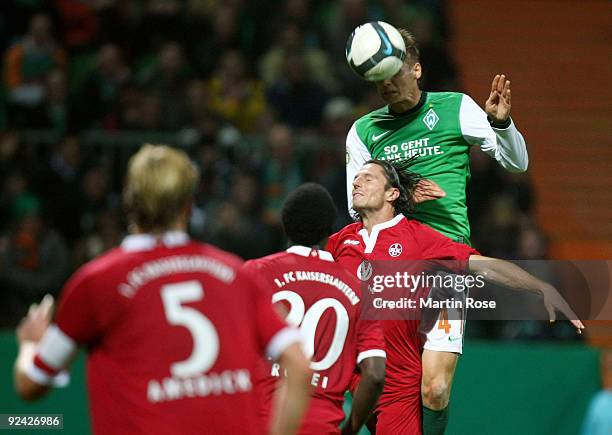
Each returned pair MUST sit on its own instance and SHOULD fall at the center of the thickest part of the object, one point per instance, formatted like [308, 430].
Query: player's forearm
[506, 274]
[512, 149]
[366, 396]
[25, 387]
[292, 398]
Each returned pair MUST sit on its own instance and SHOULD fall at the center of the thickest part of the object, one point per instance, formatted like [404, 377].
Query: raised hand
[498, 104]
[33, 326]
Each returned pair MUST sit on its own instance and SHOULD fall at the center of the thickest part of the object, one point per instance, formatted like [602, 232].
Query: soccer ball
[375, 51]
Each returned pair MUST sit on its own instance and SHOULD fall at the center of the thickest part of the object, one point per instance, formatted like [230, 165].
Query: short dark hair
[400, 177]
[413, 55]
[308, 215]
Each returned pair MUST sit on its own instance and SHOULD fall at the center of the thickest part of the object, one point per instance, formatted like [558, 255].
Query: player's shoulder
[348, 230]
[370, 120]
[445, 97]
[419, 229]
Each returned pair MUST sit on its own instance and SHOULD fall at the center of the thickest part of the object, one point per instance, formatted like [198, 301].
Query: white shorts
[447, 333]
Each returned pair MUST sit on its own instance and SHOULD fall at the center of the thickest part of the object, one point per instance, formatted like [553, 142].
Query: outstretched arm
[510, 275]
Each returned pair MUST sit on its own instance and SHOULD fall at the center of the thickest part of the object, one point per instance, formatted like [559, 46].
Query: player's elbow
[516, 167]
[373, 371]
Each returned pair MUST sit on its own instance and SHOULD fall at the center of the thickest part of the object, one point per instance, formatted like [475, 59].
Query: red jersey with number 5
[324, 300]
[174, 331]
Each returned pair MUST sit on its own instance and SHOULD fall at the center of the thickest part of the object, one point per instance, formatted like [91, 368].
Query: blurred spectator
[96, 198]
[34, 259]
[27, 66]
[166, 79]
[78, 22]
[233, 95]
[292, 40]
[59, 184]
[235, 223]
[281, 171]
[296, 99]
[100, 96]
[106, 234]
[225, 36]
[329, 168]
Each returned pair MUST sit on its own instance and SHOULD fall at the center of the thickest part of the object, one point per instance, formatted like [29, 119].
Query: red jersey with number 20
[325, 301]
[397, 239]
[174, 331]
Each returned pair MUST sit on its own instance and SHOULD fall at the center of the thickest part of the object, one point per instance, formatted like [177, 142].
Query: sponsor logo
[375, 137]
[351, 242]
[431, 119]
[395, 250]
[348, 158]
[454, 338]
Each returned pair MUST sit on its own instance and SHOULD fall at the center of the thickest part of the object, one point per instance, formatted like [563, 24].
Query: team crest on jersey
[364, 271]
[395, 250]
[431, 119]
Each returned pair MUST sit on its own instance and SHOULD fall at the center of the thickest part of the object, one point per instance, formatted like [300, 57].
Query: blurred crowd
[259, 93]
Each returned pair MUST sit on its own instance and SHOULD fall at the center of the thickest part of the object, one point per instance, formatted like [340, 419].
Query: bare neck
[370, 218]
[410, 102]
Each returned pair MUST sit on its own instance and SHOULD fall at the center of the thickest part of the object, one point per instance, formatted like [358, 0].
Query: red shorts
[399, 418]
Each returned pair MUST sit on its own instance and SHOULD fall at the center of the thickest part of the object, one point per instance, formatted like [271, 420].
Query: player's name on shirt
[317, 380]
[405, 150]
[324, 278]
[175, 388]
[174, 264]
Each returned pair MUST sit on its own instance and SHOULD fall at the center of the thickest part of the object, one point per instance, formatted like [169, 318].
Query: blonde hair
[412, 51]
[160, 183]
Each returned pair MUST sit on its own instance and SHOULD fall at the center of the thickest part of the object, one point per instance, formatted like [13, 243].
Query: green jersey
[440, 130]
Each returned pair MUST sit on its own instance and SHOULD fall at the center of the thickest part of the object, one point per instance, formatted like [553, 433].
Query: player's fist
[498, 104]
[33, 326]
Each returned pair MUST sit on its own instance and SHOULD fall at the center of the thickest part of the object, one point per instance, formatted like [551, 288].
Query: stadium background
[260, 95]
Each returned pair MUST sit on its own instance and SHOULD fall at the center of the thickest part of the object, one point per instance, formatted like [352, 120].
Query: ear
[417, 71]
[392, 194]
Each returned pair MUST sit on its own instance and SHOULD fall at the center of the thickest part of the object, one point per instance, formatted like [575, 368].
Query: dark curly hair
[308, 215]
[400, 177]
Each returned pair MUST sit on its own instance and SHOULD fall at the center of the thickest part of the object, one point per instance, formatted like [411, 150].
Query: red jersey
[174, 332]
[325, 301]
[397, 239]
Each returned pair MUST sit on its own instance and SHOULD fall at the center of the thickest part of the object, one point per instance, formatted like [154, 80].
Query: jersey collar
[370, 239]
[146, 242]
[305, 251]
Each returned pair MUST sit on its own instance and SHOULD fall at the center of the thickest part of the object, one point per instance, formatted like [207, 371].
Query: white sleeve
[356, 156]
[53, 355]
[506, 145]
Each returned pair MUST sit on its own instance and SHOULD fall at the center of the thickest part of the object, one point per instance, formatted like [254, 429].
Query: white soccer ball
[375, 51]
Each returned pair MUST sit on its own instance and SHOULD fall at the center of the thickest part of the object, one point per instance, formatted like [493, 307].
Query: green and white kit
[440, 130]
